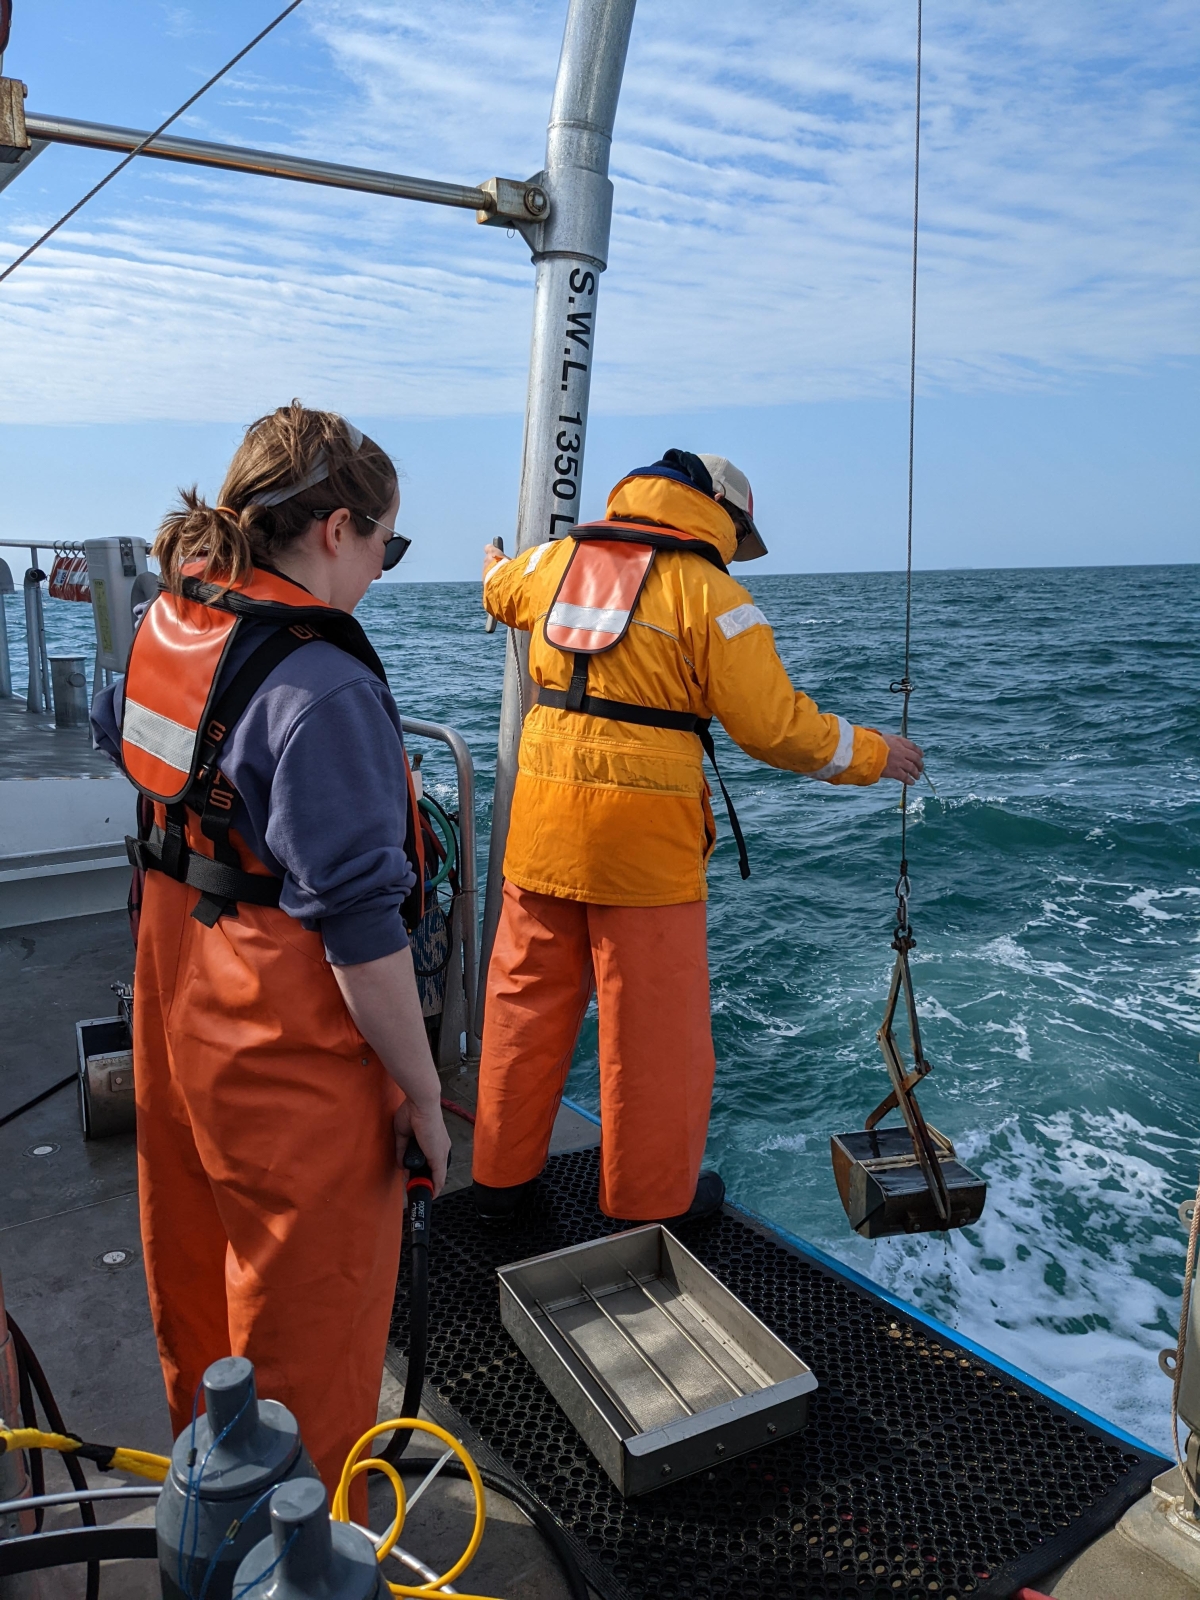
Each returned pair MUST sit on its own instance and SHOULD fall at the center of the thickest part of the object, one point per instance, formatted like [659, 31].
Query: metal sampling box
[662, 1370]
[105, 1050]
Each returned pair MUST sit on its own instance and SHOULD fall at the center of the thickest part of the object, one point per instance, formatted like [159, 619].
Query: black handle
[489, 625]
[420, 1193]
[415, 1162]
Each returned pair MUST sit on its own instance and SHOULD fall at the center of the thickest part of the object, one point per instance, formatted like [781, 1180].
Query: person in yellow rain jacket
[639, 635]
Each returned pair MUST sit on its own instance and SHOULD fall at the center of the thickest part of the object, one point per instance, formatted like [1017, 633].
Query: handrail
[465, 767]
[40, 544]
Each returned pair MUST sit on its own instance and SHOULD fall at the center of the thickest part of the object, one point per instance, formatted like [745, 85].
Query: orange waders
[649, 967]
[271, 1203]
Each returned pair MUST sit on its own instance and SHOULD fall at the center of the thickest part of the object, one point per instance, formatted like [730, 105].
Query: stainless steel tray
[661, 1369]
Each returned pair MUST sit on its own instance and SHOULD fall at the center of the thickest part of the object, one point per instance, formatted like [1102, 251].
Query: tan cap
[734, 486]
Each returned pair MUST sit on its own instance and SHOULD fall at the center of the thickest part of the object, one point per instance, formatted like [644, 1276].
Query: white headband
[318, 474]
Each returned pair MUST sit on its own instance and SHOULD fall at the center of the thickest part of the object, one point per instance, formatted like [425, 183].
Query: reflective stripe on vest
[597, 596]
[172, 676]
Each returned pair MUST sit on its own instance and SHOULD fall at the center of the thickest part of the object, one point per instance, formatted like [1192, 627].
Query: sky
[756, 302]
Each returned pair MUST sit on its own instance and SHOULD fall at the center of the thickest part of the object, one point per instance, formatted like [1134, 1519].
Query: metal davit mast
[570, 255]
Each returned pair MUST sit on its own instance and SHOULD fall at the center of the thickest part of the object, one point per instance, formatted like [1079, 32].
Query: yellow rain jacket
[617, 814]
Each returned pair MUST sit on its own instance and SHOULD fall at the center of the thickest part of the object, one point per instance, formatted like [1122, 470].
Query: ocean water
[1056, 901]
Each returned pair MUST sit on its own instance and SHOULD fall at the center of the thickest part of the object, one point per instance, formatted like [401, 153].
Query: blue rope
[196, 1482]
[254, 1582]
[235, 1527]
[187, 1493]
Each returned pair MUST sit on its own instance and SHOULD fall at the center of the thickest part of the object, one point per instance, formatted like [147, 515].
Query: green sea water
[1056, 900]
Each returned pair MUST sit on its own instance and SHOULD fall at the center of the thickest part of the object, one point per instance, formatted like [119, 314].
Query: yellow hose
[143, 1464]
[354, 1467]
[109, 1458]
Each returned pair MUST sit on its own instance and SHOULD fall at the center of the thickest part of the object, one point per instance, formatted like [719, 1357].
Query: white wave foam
[1145, 902]
[795, 1142]
[932, 1009]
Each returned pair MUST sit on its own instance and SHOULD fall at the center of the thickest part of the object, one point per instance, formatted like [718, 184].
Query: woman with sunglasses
[280, 1057]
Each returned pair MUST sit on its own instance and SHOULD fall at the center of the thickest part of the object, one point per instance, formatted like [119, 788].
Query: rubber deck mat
[923, 1470]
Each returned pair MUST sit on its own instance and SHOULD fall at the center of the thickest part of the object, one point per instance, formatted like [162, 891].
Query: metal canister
[214, 1506]
[308, 1557]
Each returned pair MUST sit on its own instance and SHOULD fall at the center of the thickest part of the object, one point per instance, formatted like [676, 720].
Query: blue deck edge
[915, 1314]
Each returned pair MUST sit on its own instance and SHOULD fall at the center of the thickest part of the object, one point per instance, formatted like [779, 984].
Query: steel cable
[149, 139]
[904, 687]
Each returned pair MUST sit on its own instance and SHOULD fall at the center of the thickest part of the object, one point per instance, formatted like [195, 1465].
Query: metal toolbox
[661, 1369]
[105, 1048]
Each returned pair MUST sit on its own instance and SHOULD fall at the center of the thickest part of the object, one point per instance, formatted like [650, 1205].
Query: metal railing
[465, 768]
[37, 693]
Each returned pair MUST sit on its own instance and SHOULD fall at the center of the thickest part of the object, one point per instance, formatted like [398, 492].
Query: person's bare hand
[429, 1128]
[906, 760]
[490, 557]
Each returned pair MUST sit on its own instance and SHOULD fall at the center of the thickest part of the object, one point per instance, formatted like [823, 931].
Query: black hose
[543, 1520]
[30, 1373]
[420, 1197]
[418, 1350]
[28, 1105]
[29, 1419]
[66, 1547]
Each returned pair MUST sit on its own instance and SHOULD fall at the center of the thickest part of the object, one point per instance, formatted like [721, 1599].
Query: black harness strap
[710, 750]
[577, 693]
[650, 717]
[210, 877]
[222, 881]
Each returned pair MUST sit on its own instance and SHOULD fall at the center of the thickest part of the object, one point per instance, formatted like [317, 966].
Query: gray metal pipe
[234, 158]
[573, 254]
[6, 692]
[469, 876]
[37, 697]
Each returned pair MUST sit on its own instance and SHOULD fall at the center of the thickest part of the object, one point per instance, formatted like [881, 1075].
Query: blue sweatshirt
[317, 761]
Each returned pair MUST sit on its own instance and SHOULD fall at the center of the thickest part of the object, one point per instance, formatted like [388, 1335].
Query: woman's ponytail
[196, 532]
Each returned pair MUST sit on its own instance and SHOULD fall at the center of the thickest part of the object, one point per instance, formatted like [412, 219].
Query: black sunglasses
[396, 548]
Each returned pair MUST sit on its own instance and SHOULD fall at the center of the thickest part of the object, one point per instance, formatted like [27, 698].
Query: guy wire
[905, 685]
[149, 139]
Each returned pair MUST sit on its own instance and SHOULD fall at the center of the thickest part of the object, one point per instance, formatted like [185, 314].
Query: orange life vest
[591, 612]
[174, 723]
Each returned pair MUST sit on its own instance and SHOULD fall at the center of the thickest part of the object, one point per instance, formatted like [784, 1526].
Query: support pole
[6, 689]
[573, 253]
[37, 698]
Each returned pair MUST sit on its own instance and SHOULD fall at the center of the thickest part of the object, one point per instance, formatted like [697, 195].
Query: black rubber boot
[499, 1206]
[707, 1201]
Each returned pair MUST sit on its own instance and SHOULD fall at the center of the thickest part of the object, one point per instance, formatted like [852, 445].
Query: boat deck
[32, 747]
[72, 1272]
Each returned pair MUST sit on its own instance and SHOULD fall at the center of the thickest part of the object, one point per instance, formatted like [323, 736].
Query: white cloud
[763, 190]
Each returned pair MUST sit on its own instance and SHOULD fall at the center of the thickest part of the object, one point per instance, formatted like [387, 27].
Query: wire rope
[149, 139]
[904, 687]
